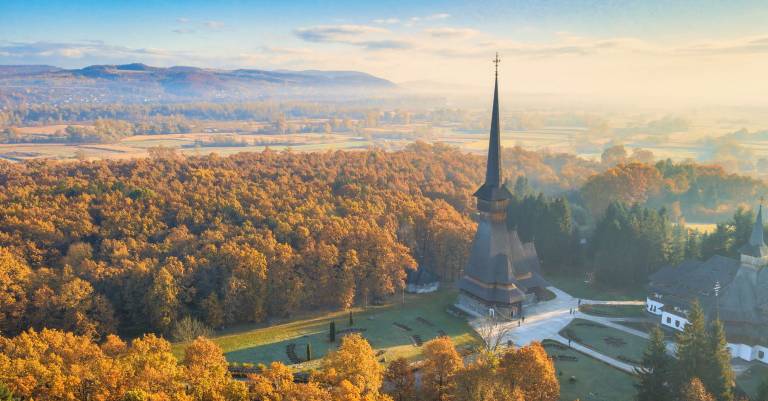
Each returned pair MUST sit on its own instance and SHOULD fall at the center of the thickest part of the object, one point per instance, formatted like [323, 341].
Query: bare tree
[493, 329]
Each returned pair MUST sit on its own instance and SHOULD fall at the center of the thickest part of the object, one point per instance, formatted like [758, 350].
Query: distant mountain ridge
[139, 82]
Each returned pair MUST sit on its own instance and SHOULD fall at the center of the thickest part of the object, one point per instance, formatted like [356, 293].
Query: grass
[614, 310]
[647, 326]
[606, 340]
[750, 381]
[267, 344]
[575, 285]
[595, 380]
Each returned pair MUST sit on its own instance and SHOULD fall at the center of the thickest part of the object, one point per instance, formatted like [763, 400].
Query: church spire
[756, 239]
[756, 247]
[492, 189]
[493, 169]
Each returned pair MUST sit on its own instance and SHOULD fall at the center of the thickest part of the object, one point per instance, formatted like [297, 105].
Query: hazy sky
[698, 51]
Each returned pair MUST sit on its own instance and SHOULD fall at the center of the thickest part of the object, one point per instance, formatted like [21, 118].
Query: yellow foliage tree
[531, 371]
[355, 362]
[441, 364]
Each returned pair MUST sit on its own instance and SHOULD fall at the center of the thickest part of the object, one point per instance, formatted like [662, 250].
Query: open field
[392, 328]
[575, 285]
[594, 380]
[606, 340]
[392, 136]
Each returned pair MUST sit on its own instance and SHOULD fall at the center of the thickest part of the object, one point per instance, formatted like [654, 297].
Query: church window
[760, 354]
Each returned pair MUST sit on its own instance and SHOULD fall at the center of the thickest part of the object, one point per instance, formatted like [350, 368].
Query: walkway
[546, 319]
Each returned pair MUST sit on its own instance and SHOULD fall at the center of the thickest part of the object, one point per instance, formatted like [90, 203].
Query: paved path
[546, 319]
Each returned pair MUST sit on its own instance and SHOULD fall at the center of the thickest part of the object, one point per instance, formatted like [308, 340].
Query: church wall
[478, 308]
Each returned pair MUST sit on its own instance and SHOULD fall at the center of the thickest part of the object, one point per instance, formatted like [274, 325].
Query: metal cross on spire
[496, 61]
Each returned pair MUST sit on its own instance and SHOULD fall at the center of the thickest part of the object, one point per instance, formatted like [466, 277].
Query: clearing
[396, 329]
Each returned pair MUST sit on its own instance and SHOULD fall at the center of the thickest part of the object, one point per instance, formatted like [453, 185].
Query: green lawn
[606, 340]
[647, 326]
[594, 380]
[614, 310]
[424, 314]
[750, 380]
[574, 284]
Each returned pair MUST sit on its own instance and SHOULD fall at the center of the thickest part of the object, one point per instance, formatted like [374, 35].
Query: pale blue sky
[404, 40]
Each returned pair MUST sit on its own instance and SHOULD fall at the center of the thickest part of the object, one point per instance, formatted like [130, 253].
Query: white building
[734, 290]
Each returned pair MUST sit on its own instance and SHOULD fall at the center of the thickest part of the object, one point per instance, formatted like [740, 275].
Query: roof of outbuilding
[421, 276]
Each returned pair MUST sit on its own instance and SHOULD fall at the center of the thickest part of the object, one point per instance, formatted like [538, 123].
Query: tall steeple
[493, 189]
[493, 168]
[756, 239]
[756, 247]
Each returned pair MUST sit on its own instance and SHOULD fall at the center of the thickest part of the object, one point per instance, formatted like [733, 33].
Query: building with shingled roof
[733, 290]
[502, 274]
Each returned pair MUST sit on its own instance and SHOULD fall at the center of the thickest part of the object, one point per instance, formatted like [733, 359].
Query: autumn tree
[531, 371]
[15, 278]
[400, 377]
[355, 362]
[207, 373]
[441, 364]
[162, 301]
[694, 390]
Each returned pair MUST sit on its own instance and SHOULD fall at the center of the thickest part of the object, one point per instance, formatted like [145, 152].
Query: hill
[134, 83]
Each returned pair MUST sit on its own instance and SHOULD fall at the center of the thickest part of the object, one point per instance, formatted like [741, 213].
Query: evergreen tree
[332, 331]
[692, 344]
[655, 370]
[742, 223]
[693, 245]
[718, 378]
[522, 188]
[718, 242]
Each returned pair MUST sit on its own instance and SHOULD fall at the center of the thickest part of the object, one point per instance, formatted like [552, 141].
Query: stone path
[545, 320]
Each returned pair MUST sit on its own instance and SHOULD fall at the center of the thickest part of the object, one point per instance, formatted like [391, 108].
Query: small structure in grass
[422, 280]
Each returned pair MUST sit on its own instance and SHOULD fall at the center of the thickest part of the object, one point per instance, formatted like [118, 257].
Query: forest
[135, 246]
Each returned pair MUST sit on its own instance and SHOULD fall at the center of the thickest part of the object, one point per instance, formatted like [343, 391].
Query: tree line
[51, 365]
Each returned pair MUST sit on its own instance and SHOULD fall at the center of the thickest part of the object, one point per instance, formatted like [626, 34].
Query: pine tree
[332, 332]
[655, 371]
[692, 344]
[719, 378]
[309, 352]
